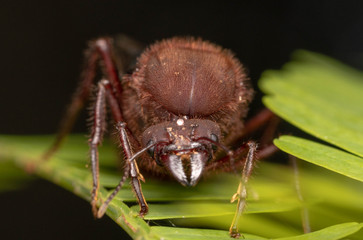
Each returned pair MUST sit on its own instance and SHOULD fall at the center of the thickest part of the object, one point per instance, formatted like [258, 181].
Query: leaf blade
[320, 96]
[330, 233]
[202, 234]
[322, 155]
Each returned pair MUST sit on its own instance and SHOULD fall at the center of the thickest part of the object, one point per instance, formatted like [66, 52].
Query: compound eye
[214, 138]
[151, 150]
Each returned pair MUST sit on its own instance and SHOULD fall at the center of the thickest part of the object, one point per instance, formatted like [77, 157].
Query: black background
[41, 53]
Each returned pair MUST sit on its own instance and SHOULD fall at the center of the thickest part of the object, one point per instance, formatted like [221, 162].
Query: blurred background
[42, 51]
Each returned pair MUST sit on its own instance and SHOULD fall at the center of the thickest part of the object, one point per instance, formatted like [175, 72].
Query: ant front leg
[241, 194]
[134, 169]
[98, 128]
[131, 168]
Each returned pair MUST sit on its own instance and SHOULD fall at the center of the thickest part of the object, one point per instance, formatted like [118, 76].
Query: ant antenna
[141, 151]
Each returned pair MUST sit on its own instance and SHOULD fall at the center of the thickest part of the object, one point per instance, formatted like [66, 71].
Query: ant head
[183, 146]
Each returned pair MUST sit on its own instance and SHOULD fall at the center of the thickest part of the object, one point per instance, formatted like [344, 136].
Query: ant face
[183, 146]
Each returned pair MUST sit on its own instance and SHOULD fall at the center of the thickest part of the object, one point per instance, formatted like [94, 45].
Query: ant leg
[101, 211]
[263, 117]
[131, 168]
[241, 194]
[98, 128]
[257, 121]
[270, 131]
[128, 49]
[134, 170]
[267, 151]
[99, 49]
[228, 163]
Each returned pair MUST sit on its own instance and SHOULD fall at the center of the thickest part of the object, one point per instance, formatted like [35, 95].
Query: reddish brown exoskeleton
[185, 99]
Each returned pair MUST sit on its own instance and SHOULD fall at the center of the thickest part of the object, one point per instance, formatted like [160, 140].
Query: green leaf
[206, 209]
[322, 155]
[329, 233]
[272, 210]
[324, 98]
[12, 177]
[189, 233]
[321, 96]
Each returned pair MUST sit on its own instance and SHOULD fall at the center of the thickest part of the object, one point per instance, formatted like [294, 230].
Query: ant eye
[151, 150]
[214, 137]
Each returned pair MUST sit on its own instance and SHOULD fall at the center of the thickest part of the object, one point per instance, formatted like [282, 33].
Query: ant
[184, 101]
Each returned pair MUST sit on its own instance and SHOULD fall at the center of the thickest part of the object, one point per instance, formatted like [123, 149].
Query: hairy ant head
[183, 146]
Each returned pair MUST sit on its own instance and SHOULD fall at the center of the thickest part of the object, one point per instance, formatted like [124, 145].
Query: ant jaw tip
[188, 184]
